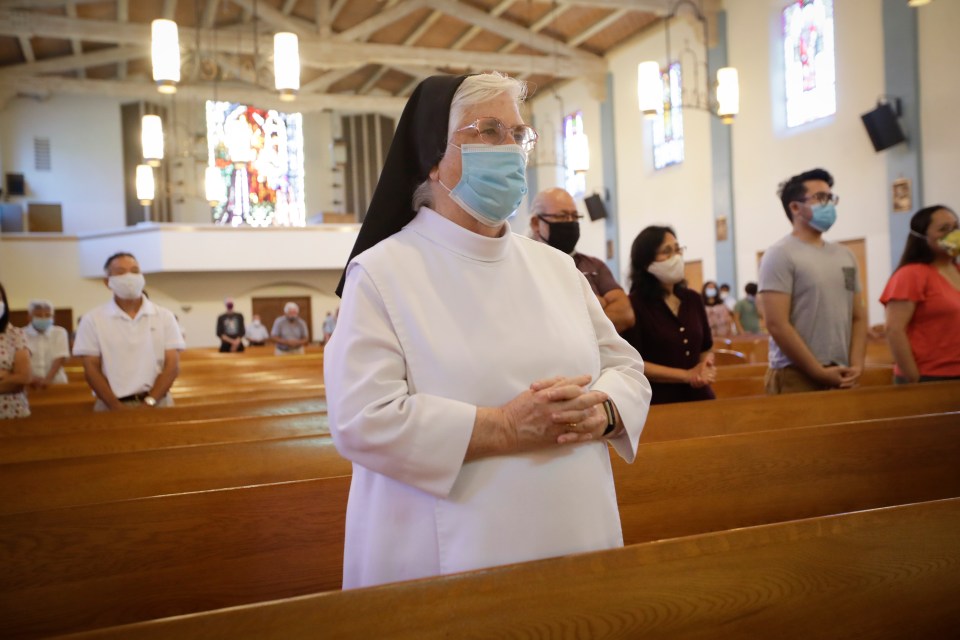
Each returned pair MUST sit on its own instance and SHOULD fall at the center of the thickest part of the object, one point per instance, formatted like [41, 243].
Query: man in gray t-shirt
[289, 332]
[810, 296]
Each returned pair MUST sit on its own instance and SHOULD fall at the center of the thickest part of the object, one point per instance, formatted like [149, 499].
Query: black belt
[137, 397]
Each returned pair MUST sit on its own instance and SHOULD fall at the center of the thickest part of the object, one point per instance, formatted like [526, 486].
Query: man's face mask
[127, 286]
[41, 324]
[824, 215]
[563, 235]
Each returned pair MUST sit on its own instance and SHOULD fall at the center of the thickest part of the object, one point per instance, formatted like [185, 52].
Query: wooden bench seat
[113, 563]
[128, 439]
[856, 575]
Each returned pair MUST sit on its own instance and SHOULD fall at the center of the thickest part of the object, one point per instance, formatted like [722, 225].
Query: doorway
[269, 309]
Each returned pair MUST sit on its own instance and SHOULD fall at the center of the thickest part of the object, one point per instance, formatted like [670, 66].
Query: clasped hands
[704, 373]
[559, 410]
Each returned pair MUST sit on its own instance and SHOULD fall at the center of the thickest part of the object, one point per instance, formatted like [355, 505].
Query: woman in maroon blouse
[672, 333]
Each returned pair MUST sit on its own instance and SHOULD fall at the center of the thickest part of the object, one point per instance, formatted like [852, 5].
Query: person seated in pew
[672, 332]
[130, 346]
[810, 296]
[473, 378]
[922, 300]
[15, 372]
[49, 345]
[256, 333]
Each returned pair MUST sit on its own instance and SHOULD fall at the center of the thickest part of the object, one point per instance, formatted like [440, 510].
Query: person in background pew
[554, 219]
[718, 315]
[922, 300]
[49, 345]
[810, 296]
[289, 333]
[256, 334]
[130, 346]
[14, 365]
[230, 329]
[726, 297]
[745, 312]
[672, 331]
[473, 378]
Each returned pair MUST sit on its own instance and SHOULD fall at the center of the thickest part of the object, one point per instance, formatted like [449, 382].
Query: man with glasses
[555, 221]
[810, 296]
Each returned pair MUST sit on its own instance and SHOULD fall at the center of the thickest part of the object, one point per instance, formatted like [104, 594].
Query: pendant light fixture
[286, 65]
[151, 138]
[146, 186]
[165, 50]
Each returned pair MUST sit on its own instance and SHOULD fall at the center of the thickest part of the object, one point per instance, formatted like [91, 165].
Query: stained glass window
[668, 125]
[577, 154]
[259, 154]
[809, 63]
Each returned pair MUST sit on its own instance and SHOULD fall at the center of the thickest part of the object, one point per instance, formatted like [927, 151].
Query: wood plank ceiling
[356, 55]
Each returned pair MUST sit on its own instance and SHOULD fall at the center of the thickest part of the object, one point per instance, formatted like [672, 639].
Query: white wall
[766, 153]
[86, 157]
[548, 110]
[940, 96]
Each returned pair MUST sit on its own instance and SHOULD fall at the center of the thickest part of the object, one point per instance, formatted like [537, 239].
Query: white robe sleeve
[621, 377]
[375, 420]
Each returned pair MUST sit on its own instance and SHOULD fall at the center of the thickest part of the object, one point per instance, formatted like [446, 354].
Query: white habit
[437, 320]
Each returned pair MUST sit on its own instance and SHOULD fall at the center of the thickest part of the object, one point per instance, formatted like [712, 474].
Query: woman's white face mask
[669, 271]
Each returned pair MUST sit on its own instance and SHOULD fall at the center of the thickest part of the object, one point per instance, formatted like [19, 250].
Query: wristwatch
[611, 417]
[150, 401]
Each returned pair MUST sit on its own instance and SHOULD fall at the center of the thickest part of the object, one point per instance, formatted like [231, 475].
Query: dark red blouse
[672, 341]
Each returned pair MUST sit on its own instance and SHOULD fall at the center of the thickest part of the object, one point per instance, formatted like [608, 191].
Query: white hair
[475, 89]
[291, 306]
[33, 305]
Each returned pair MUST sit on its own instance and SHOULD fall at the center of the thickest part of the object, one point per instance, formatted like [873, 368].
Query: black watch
[611, 417]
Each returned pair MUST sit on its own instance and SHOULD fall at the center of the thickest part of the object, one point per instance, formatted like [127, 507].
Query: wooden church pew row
[65, 482]
[112, 563]
[47, 422]
[741, 415]
[161, 436]
[854, 575]
[742, 386]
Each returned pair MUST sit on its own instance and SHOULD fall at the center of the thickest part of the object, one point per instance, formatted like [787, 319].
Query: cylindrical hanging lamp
[286, 65]
[165, 50]
[649, 88]
[146, 187]
[728, 94]
[151, 137]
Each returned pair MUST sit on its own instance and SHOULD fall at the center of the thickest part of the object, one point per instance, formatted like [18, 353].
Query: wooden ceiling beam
[656, 7]
[75, 45]
[209, 15]
[40, 4]
[273, 17]
[63, 64]
[314, 53]
[27, 49]
[380, 20]
[469, 34]
[596, 27]
[123, 15]
[133, 90]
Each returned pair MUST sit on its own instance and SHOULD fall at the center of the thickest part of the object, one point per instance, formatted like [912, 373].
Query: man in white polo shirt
[130, 346]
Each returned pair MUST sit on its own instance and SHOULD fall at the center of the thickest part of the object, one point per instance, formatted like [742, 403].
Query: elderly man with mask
[130, 346]
[49, 345]
[554, 220]
[289, 333]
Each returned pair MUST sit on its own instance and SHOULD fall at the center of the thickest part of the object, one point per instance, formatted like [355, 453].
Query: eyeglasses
[823, 198]
[493, 131]
[669, 252]
[560, 216]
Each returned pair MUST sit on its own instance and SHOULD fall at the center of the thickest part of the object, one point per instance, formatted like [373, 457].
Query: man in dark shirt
[230, 329]
[555, 221]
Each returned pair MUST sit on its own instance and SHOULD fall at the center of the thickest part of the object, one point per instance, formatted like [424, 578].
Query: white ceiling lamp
[650, 80]
[917, 3]
[165, 51]
[286, 65]
[146, 186]
[214, 186]
[151, 138]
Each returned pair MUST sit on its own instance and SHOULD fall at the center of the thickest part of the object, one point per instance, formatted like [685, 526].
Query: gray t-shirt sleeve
[776, 270]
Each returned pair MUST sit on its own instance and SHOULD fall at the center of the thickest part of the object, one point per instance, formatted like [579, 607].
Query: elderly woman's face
[503, 107]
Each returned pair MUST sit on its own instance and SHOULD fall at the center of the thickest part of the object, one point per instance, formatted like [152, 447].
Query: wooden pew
[119, 562]
[856, 575]
[126, 439]
[742, 415]
[741, 383]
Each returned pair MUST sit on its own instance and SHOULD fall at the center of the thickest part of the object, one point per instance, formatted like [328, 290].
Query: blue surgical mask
[493, 181]
[824, 215]
[41, 324]
[710, 292]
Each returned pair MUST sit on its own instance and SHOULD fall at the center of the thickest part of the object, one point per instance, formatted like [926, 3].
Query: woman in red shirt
[923, 300]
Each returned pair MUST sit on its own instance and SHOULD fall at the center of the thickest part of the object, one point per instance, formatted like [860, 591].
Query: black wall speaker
[595, 207]
[882, 127]
[16, 185]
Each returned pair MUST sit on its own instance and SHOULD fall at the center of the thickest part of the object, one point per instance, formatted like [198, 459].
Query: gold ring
[572, 426]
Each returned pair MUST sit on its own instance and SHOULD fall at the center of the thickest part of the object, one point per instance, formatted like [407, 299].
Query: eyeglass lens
[493, 131]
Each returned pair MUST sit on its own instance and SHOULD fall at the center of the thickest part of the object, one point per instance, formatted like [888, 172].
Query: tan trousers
[789, 380]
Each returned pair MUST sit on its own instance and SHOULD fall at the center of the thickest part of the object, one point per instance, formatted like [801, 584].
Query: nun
[473, 380]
